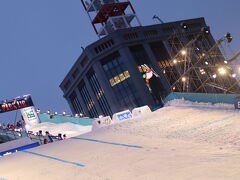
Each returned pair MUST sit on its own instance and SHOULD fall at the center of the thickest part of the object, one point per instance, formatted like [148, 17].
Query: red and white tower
[109, 15]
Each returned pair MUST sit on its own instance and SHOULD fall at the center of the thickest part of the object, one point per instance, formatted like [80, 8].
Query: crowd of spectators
[49, 138]
[46, 138]
[19, 126]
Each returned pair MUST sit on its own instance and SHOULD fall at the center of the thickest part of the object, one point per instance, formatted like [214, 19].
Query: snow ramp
[183, 140]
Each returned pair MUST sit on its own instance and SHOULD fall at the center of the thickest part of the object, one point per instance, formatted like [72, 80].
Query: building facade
[108, 77]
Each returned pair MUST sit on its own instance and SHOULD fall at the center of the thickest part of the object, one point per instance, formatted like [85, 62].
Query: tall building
[132, 66]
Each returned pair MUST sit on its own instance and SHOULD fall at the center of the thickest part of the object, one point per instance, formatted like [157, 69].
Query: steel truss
[198, 64]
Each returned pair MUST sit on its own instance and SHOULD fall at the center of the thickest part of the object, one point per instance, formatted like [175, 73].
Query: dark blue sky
[41, 39]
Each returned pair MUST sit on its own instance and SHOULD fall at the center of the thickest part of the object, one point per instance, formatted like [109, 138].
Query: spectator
[64, 136]
[49, 136]
[11, 127]
[59, 137]
[45, 141]
[4, 126]
[40, 133]
[18, 124]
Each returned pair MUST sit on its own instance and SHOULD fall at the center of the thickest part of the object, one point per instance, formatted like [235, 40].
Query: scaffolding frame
[195, 63]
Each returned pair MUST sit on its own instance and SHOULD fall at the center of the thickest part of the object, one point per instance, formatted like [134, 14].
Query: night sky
[41, 39]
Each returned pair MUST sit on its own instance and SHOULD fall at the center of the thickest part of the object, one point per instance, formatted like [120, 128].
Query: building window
[87, 99]
[67, 85]
[75, 103]
[99, 93]
[75, 73]
[84, 61]
[119, 78]
[104, 46]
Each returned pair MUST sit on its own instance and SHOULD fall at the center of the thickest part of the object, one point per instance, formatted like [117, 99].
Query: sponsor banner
[8, 152]
[237, 103]
[101, 122]
[30, 116]
[124, 115]
[15, 103]
[141, 111]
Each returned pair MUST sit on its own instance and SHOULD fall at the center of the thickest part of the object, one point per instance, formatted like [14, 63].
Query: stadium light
[183, 52]
[222, 71]
[64, 113]
[214, 76]
[174, 61]
[55, 113]
[206, 30]
[184, 25]
[184, 79]
[48, 111]
[229, 37]
[234, 75]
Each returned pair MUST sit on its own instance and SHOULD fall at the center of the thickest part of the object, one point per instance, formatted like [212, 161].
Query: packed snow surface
[184, 140]
[69, 129]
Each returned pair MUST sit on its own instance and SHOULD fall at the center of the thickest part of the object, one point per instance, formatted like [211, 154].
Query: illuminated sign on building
[16, 103]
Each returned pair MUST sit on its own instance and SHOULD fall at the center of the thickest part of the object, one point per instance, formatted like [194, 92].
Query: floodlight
[206, 30]
[184, 25]
[229, 37]
[184, 79]
[183, 52]
[222, 71]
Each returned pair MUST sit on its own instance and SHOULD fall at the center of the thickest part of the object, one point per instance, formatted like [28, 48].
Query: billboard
[30, 116]
[15, 103]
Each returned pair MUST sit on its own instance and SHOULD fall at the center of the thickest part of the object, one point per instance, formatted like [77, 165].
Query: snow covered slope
[183, 140]
[69, 129]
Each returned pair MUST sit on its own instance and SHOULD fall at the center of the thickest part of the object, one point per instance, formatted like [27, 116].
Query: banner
[15, 103]
[30, 116]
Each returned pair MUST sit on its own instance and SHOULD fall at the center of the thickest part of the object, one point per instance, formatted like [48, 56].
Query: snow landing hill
[182, 141]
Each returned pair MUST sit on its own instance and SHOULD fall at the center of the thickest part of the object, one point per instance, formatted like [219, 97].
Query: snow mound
[69, 129]
[186, 103]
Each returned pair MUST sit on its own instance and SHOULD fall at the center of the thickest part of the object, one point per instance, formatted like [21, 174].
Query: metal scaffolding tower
[198, 64]
[109, 15]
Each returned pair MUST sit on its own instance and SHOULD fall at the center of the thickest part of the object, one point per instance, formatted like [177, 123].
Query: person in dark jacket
[59, 137]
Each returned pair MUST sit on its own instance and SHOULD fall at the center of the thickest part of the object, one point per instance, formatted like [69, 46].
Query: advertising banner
[237, 103]
[120, 116]
[15, 103]
[30, 116]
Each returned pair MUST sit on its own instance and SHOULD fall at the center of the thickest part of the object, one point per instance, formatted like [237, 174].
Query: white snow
[69, 129]
[183, 140]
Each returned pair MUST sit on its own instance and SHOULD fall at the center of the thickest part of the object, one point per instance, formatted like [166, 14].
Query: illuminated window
[99, 93]
[76, 104]
[119, 79]
[87, 99]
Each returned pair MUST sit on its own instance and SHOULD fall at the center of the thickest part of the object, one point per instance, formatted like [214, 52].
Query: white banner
[30, 116]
